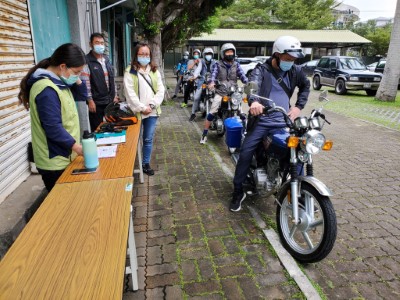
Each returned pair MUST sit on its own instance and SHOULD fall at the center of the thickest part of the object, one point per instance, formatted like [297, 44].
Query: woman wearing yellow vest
[144, 93]
[49, 91]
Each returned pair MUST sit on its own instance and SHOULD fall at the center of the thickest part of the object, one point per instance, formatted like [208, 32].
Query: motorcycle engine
[267, 178]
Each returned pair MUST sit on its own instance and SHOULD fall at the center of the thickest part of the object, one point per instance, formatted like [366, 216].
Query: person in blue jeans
[144, 93]
[269, 79]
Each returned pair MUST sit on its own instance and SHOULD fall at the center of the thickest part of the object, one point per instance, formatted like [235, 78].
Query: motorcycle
[189, 86]
[305, 216]
[231, 106]
[205, 95]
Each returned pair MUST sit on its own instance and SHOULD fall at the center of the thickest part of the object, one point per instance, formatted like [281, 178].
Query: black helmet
[120, 114]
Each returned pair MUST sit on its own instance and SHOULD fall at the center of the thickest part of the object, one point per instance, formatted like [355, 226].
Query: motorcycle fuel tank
[275, 145]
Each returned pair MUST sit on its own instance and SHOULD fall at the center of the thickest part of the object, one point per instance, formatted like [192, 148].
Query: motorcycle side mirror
[251, 88]
[323, 96]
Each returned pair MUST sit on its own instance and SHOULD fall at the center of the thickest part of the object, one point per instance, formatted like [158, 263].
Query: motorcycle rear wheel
[313, 239]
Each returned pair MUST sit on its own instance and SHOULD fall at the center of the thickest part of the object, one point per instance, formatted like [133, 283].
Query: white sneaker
[203, 139]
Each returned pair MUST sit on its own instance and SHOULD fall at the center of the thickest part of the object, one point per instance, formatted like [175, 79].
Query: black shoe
[192, 117]
[203, 115]
[148, 170]
[237, 200]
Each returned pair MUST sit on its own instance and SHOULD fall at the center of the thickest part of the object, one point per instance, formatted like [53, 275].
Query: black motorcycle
[305, 216]
[231, 105]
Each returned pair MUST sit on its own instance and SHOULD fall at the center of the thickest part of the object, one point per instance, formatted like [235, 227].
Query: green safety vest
[70, 121]
[153, 78]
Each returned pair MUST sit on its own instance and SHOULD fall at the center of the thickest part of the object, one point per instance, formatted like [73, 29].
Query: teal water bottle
[90, 150]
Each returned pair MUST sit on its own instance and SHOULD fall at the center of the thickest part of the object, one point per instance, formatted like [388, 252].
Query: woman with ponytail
[48, 91]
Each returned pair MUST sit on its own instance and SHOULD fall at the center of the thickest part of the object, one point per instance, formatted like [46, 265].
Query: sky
[371, 9]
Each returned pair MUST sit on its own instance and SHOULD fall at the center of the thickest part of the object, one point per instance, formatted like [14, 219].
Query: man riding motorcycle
[226, 71]
[275, 79]
[207, 63]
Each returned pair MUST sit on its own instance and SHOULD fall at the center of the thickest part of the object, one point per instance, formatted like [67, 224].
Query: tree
[283, 14]
[249, 14]
[379, 36]
[167, 23]
[387, 90]
[304, 14]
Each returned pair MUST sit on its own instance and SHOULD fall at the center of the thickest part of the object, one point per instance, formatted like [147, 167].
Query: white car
[248, 64]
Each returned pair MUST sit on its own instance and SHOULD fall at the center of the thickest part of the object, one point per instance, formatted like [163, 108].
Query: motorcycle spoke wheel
[313, 238]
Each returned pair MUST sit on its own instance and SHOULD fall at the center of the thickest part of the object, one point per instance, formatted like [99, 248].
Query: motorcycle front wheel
[313, 239]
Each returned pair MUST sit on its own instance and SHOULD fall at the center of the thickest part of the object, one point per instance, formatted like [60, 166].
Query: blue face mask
[286, 65]
[70, 80]
[99, 49]
[208, 57]
[195, 56]
[144, 61]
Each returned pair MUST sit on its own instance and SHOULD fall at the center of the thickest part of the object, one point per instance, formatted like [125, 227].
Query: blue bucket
[234, 128]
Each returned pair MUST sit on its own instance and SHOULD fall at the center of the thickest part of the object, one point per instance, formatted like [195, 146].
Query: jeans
[148, 127]
[250, 143]
[196, 99]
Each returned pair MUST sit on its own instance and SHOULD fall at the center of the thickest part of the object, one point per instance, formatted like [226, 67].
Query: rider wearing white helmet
[194, 64]
[207, 62]
[180, 70]
[226, 71]
[275, 79]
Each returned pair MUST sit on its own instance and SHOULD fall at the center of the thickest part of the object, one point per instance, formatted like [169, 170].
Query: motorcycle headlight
[312, 141]
[240, 89]
[236, 98]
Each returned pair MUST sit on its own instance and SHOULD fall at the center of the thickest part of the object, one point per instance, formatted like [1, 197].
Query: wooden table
[74, 247]
[110, 168]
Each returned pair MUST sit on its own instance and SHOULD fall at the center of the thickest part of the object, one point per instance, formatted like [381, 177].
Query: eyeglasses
[74, 72]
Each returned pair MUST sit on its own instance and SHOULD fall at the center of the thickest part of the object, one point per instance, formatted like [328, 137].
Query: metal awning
[308, 38]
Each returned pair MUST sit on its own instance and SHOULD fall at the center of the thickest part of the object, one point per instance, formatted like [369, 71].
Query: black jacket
[262, 76]
[100, 93]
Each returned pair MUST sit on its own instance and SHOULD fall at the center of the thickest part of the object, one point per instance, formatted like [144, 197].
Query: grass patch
[358, 105]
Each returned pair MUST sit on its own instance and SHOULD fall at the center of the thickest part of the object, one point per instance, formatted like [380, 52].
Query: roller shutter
[16, 58]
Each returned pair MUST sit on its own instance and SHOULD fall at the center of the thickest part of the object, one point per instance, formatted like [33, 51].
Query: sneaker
[174, 96]
[192, 117]
[148, 170]
[183, 105]
[203, 139]
[237, 200]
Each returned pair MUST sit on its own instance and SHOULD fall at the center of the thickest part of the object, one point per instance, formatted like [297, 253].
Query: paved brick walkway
[191, 246]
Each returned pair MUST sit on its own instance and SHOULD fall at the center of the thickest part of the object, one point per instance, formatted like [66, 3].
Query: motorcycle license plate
[367, 85]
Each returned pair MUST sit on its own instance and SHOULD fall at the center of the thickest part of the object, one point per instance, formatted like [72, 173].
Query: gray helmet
[198, 51]
[227, 46]
[186, 53]
[208, 50]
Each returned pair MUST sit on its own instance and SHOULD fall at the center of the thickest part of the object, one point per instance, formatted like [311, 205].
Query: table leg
[132, 254]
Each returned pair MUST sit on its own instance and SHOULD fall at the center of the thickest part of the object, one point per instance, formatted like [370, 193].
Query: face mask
[99, 49]
[195, 56]
[286, 65]
[144, 61]
[185, 57]
[70, 80]
[229, 57]
[208, 57]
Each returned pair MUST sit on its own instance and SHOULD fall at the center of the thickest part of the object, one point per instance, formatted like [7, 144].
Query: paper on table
[107, 151]
[111, 140]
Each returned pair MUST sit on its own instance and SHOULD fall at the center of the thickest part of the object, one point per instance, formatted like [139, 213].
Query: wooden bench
[75, 245]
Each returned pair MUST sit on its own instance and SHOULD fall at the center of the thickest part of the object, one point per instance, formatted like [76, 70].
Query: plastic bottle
[90, 150]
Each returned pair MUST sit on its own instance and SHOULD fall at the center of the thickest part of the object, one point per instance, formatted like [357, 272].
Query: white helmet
[208, 50]
[227, 46]
[186, 53]
[288, 44]
[197, 50]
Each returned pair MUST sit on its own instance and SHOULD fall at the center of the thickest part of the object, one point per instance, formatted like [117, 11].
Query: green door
[50, 26]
